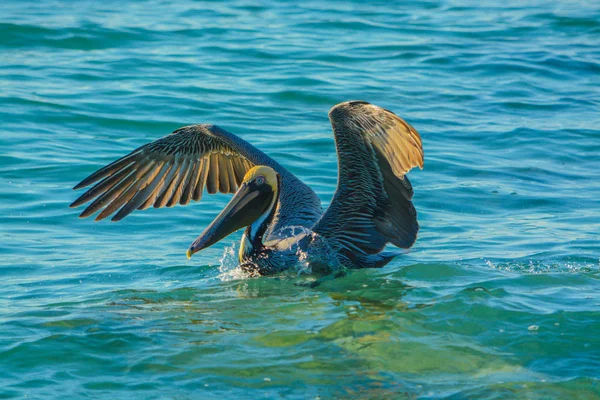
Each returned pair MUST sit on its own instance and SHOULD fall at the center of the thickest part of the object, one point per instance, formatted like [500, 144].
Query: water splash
[307, 252]
[229, 265]
[535, 267]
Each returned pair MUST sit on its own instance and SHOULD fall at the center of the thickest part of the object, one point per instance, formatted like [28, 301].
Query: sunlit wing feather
[372, 204]
[178, 167]
[173, 169]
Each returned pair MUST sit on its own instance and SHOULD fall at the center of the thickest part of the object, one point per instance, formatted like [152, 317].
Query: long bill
[246, 206]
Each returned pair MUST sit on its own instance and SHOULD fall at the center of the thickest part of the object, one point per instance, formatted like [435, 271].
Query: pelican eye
[260, 180]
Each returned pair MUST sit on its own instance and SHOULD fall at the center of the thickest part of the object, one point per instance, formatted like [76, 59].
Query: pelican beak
[248, 203]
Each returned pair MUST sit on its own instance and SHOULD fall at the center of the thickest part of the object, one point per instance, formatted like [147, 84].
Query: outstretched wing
[372, 204]
[173, 169]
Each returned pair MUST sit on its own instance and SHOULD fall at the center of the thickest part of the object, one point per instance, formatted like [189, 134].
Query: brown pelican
[371, 206]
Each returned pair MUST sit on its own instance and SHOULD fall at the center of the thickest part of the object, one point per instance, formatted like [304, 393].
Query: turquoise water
[499, 298]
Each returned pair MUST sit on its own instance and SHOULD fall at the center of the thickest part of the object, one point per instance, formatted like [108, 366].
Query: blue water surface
[499, 298]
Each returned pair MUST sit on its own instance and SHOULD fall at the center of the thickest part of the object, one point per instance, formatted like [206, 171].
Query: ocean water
[499, 298]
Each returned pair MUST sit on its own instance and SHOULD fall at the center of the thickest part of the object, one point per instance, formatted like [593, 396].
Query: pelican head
[252, 206]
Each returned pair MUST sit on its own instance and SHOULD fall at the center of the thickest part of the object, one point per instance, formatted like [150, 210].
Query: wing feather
[212, 183]
[223, 178]
[141, 177]
[108, 196]
[168, 187]
[371, 206]
[145, 197]
[105, 185]
[231, 175]
[156, 187]
[109, 169]
[201, 181]
[176, 167]
[179, 167]
[239, 169]
[190, 183]
[178, 183]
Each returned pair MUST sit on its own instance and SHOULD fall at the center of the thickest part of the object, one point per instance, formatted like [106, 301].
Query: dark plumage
[371, 207]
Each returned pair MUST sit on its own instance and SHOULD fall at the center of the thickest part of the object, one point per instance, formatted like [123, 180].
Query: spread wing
[173, 169]
[372, 204]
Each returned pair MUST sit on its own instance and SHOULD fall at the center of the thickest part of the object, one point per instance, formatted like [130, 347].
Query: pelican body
[282, 217]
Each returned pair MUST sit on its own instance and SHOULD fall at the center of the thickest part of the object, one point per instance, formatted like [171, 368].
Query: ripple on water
[499, 297]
